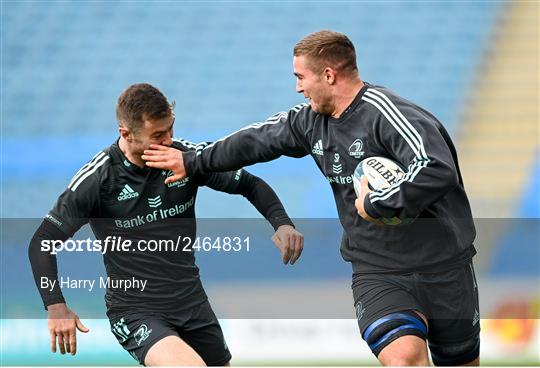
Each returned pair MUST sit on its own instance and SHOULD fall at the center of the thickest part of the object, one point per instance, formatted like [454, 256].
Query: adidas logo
[318, 148]
[154, 202]
[127, 193]
[359, 311]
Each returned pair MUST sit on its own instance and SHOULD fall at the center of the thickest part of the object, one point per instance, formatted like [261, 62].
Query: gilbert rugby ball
[381, 173]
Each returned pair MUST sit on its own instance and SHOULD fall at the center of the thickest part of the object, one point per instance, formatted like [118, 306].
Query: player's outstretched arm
[281, 134]
[62, 321]
[63, 325]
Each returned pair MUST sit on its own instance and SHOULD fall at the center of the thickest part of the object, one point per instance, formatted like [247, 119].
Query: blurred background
[227, 64]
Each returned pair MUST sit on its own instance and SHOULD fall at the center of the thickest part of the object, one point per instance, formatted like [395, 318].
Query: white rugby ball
[381, 173]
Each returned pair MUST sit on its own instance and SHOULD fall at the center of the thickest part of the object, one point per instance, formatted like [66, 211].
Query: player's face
[158, 131]
[313, 86]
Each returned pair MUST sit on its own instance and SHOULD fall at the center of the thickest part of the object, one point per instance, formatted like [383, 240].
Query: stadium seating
[499, 131]
[517, 253]
[225, 65]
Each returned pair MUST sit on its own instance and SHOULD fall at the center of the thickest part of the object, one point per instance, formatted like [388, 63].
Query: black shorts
[138, 331]
[448, 299]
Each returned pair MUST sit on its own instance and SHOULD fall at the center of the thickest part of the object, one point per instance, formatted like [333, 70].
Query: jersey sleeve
[281, 134]
[411, 136]
[80, 200]
[44, 264]
[226, 182]
[72, 210]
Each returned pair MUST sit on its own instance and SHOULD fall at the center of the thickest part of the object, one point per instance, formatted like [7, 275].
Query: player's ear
[124, 133]
[329, 75]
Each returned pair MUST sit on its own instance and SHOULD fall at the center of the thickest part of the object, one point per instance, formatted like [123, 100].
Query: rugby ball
[381, 173]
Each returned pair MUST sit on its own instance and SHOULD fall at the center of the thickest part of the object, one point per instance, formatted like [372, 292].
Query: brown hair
[327, 49]
[141, 102]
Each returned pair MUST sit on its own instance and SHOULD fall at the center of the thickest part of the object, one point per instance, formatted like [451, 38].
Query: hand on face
[151, 132]
[166, 158]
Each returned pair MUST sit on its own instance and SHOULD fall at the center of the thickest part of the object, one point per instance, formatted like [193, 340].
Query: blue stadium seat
[517, 253]
[226, 65]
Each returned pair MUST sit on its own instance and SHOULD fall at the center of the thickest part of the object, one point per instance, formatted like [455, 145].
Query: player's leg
[203, 332]
[172, 351]
[405, 351]
[454, 334]
[152, 340]
[399, 339]
[474, 363]
[391, 319]
[466, 352]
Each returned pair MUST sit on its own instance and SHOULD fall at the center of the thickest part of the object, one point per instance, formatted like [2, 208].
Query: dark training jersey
[123, 200]
[377, 123]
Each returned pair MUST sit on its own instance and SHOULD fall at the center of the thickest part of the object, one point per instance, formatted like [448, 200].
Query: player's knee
[407, 360]
[387, 329]
[405, 351]
[455, 354]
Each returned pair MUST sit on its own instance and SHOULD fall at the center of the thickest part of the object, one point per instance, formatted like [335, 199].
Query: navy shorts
[138, 331]
[448, 299]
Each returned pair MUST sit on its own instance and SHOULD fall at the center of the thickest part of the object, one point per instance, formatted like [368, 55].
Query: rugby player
[413, 285]
[170, 322]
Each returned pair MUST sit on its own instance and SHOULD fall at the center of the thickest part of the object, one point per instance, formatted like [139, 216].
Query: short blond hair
[328, 49]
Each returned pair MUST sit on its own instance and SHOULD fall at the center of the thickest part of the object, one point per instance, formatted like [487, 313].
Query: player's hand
[359, 203]
[166, 158]
[290, 243]
[63, 324]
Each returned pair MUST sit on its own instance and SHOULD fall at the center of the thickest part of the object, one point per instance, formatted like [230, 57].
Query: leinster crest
[355, 150]
[142, 334]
